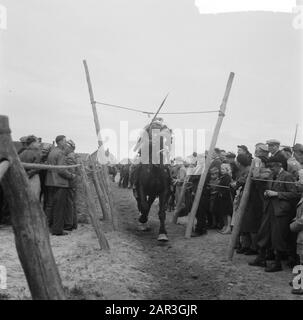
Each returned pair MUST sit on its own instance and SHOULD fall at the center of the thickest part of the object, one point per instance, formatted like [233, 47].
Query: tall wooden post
[240, 213]
[93, 103]
[93, 212]
[29, 225]
[296, 133]
[100, 142]
[107, 189]
[100, 193]
[192, 214]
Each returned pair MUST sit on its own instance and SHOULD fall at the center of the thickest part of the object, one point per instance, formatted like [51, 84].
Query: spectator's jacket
[57, 178]
[70, 160]
[30, 155]
[287, 193]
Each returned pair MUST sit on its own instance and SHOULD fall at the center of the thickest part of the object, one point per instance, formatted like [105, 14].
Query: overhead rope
[151, 113]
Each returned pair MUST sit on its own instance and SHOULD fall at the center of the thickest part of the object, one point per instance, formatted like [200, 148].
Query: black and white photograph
[151, 153]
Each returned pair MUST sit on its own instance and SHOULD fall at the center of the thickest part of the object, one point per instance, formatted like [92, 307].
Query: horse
[152, 181]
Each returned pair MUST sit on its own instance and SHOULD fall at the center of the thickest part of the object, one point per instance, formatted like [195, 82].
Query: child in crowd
[225, 198]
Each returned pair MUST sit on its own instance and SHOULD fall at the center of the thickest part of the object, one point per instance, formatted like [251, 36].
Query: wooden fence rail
[4, 165]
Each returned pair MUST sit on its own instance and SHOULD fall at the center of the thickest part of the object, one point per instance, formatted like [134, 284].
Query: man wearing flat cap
[23, 144]
[274, 149]
[278, 212]
[57, 182]
[293, 166]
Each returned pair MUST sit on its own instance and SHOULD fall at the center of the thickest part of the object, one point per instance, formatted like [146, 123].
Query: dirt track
[140, 268]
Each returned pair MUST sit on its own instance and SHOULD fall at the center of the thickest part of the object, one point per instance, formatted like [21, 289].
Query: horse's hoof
[143, 227]
[162, 237]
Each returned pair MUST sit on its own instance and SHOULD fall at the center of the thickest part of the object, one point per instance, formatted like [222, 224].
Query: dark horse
[152, 181]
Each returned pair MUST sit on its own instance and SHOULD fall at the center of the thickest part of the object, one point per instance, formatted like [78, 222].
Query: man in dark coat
[252, 217]
[203, 215]
[278, 212]
[57, 183]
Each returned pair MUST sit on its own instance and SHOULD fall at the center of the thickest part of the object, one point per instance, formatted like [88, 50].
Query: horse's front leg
[145, 208]
[162, 216]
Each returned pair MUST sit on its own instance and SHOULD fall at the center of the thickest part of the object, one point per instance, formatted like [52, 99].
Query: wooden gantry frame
[29, 221]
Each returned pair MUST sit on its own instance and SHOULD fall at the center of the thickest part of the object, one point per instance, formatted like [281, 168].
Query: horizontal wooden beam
[47, 167]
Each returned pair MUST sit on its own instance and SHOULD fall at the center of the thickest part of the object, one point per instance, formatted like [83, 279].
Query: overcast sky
[137, 52]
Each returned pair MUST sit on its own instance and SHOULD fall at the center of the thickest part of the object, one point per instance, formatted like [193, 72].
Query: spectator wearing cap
[216, 159]
[242, 149]
[293, 165]
[193, 159]
[23, 144]
[57, 183]
[274, 150]
[261, 158]
[252, 217]
[278, 212]
[32, 155]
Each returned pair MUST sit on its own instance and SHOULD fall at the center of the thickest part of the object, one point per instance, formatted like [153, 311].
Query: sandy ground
[138, 267]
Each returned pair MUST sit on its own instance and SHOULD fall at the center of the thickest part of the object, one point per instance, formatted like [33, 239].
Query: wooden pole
[93, 103]
[195, 205]
[159, 109]
[240, 213]
[93, 211]
[110, 198]
[100, 193]
[180, 200]
[105, 186]
[29, 225]
[102, 182]
[100, 142]
[296, 133]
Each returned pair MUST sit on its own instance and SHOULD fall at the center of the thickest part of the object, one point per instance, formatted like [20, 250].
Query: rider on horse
[156, 129]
